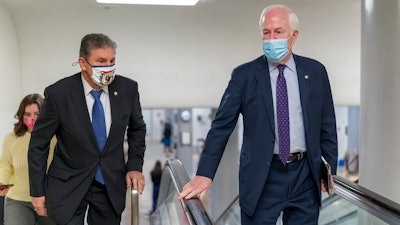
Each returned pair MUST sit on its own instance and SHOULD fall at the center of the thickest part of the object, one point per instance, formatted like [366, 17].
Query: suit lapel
[304, 78]
[264, 82]
[115, 102]
[79, 99]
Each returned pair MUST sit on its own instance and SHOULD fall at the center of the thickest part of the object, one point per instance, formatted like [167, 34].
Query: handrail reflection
[134, 207]
[173, 178]
[373, 203]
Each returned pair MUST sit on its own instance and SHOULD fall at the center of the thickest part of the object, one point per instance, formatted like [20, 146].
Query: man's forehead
[105, 49]
[102, 53]
[276, 20]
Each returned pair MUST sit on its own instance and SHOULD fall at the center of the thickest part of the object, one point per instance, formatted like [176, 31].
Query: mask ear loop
[292, 42]
[76, 63]
[292, 35]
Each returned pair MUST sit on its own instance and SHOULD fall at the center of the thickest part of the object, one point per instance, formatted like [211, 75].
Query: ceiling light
[151, 2]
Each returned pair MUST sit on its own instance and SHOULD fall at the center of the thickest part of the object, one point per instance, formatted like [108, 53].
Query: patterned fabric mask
[103, 75]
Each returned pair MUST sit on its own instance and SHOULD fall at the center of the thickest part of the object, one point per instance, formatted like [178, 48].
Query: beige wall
[10, 74]
[183, 56]
[380, 108]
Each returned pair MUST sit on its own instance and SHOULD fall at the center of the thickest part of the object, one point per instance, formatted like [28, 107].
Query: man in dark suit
[88, 169]
[289, 122]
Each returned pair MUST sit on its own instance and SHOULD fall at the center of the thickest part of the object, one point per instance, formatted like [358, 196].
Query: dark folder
[327, 176]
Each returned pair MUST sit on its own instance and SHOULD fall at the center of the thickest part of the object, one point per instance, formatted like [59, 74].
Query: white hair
[293, 19]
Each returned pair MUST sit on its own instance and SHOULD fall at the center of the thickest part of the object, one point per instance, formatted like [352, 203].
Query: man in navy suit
[87, 173]
[270, 184]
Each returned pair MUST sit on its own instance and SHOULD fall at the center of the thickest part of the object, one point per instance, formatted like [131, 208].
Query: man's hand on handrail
[198, 185]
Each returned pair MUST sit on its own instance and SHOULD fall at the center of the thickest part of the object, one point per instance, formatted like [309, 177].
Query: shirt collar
[87, 88]
[290, 64]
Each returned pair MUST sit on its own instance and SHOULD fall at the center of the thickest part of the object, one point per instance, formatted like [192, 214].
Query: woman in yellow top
[18, 207]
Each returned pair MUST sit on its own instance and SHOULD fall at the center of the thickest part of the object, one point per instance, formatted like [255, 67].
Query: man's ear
[82, 63]
[295, 35]
[294, 38]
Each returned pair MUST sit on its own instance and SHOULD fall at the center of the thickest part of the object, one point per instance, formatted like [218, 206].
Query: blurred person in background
[156, 179]
[18, 209]
[166, 140]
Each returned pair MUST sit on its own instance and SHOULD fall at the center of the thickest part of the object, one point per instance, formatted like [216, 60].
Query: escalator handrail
[367, 194]
[332, 198]
[379, 206]
[193, 207]
[328, 200]
[179, 174]
[134, 206]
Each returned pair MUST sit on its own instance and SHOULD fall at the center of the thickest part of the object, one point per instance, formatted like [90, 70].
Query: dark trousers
[155, 197]
[289, 189]
[1, 210]
[100, 211]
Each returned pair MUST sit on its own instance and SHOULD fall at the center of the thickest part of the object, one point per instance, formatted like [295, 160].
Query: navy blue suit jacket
[77, 156]
[249, 93]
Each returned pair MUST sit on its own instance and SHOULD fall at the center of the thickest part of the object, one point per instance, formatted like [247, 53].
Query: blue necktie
[282, 111]
[99, 127]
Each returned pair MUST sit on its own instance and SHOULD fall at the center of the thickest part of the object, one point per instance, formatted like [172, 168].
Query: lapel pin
[306, 77]
[115, 93]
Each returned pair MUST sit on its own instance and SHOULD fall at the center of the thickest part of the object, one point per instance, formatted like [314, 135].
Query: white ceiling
[17, 5]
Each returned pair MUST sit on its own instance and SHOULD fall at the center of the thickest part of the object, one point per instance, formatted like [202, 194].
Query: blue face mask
[276, 49]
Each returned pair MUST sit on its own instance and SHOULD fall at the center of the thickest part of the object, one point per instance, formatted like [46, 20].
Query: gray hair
[94, 41]
[293, 19]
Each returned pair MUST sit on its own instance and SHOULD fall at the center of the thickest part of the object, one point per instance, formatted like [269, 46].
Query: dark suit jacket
[249, 93]
[77, 156]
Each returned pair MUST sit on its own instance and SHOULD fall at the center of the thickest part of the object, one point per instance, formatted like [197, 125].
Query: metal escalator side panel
[134, 207]
[354, 204]
[191, 211]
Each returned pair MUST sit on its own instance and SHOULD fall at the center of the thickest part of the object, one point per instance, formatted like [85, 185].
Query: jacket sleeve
[221, 127]
[328, 138]
[136, 134]
[39, 145]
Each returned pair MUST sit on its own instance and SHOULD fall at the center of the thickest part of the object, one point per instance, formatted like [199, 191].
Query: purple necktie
[282, 111]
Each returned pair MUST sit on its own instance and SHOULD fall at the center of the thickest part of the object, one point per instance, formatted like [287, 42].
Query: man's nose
[275, 36]
[271, 36]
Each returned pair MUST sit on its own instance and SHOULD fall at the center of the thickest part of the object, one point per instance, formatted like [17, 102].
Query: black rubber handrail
[175, 172]
[375, 204]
